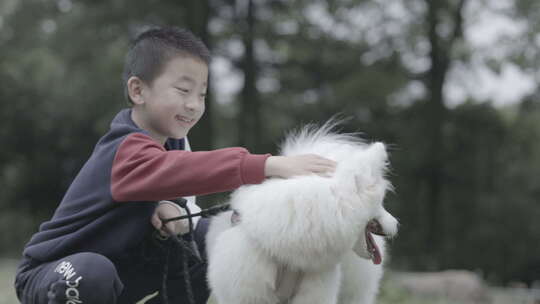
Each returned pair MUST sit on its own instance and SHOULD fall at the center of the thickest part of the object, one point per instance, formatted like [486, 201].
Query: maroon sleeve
[144, 170]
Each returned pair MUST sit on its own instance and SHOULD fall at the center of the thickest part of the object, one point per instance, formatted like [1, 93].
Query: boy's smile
[174, 102]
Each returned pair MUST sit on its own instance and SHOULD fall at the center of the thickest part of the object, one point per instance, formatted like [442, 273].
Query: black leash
[188, 248]
[204, 213]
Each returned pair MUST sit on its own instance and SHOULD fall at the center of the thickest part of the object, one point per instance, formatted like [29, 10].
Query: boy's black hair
[153, 48]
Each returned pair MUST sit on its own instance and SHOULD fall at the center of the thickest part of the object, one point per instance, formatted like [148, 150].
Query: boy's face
[175, 101]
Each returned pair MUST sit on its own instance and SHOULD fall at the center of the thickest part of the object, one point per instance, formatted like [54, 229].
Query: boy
[99, 246]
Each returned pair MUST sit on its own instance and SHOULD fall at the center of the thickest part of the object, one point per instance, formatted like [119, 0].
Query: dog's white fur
[308, 223]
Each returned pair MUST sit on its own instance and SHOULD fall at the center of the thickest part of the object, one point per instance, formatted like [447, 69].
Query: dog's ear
[369, 179]
[378, 155]
[364, 169]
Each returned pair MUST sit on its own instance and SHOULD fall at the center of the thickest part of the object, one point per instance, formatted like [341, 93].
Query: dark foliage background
[466, 176]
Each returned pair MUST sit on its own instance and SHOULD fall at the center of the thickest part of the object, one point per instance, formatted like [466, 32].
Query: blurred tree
[475, 140]
[440, 14]
[64, 88]
[518, 190]
[197, 20]
[459, 171]
[249, 117]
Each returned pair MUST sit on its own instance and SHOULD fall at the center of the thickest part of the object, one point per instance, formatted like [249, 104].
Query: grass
[7, 275]
[390, 293]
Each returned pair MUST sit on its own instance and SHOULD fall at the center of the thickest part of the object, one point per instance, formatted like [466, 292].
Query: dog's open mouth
[374, 227]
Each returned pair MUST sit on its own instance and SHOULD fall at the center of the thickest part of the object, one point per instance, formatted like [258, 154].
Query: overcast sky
[486, 31]
[485, 28]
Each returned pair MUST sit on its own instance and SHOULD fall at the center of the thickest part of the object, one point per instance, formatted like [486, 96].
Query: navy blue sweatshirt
[107, 208]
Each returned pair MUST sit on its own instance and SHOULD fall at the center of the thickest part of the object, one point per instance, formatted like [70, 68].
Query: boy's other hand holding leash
[165, 210]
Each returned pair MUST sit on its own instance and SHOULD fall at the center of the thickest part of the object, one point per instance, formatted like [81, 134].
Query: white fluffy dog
[307, 239]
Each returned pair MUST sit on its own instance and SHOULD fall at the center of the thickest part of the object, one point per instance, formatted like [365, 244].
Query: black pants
[92, 278]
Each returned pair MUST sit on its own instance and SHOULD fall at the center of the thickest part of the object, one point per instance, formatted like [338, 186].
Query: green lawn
[390, 294]
[7, 273]
[7, 294]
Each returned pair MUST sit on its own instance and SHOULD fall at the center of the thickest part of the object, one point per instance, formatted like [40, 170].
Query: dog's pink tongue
[376, 258]
[376, 253]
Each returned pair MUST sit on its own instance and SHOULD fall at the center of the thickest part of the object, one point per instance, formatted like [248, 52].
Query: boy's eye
[183, 90]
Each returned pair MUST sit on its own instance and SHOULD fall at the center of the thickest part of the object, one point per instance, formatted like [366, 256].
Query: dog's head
[360, 183]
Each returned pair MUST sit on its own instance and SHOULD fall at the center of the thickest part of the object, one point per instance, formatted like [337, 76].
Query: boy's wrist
[271, 166]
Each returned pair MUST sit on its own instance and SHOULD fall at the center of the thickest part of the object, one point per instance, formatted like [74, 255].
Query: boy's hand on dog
[165, 210]
[289, 166]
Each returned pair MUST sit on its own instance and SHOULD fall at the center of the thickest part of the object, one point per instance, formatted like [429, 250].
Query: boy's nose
[192, 104]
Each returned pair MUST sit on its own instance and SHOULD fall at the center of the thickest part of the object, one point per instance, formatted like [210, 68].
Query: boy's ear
[135, 87]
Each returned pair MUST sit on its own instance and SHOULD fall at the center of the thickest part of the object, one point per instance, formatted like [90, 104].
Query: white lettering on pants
[72, 293]
[67, 271]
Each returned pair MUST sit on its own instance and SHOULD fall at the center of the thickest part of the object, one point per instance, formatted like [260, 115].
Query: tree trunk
[249, 119]
[198, 17]
[436, 113]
